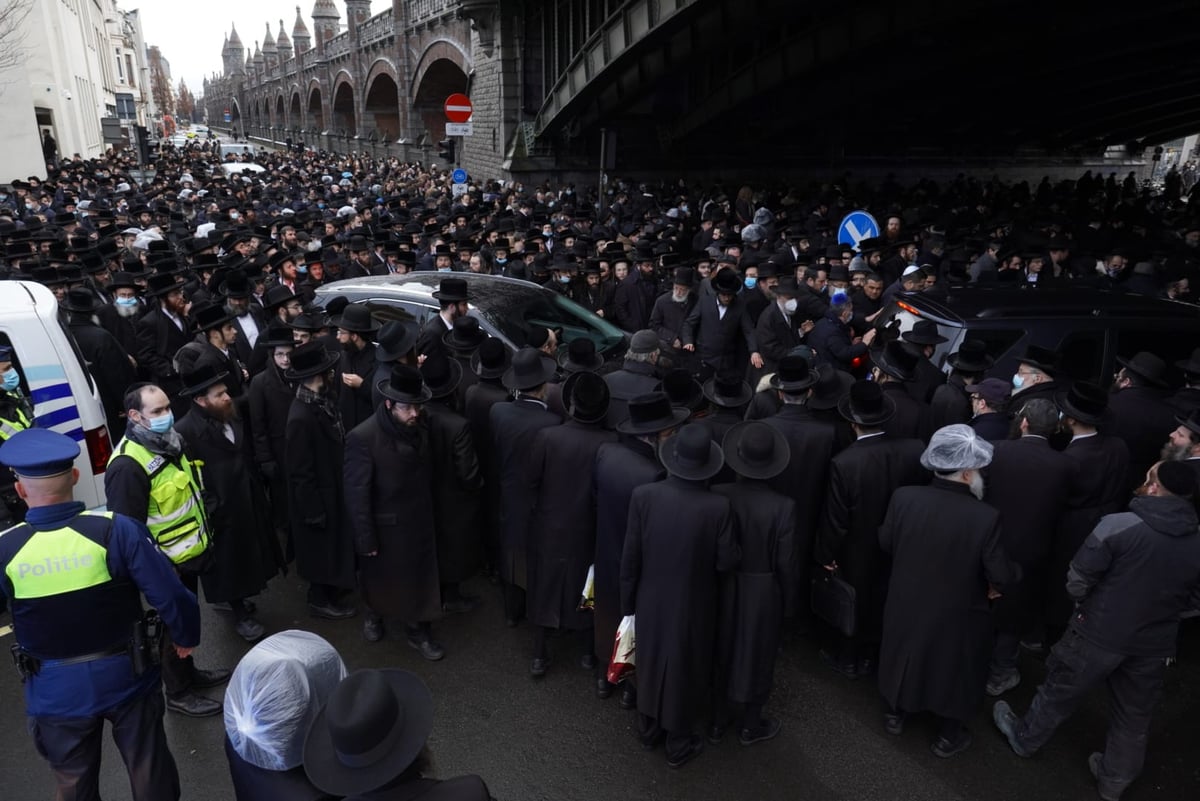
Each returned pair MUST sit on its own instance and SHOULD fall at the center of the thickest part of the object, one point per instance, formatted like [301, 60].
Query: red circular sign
[458, 108]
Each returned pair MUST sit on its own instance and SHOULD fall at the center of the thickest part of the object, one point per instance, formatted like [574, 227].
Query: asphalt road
[553, 739]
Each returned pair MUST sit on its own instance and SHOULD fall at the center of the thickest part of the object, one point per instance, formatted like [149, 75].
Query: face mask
[126, 301]
[320, 205]
[789, 306]
[1018, 380]
[11, 380]
[500, 261]
[444, 270]
[161, 425]
[302, 268]
[564, 279]
[750, 282]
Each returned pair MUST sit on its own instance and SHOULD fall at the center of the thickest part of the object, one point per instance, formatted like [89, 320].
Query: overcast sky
[190, 35]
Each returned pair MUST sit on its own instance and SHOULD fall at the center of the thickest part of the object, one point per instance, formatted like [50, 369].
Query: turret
[300, 36]
[357, 12]
[326, 20]
[283, 44]
[269, 51]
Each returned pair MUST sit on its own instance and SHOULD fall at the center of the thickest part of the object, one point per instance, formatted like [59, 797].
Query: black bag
[833, 600]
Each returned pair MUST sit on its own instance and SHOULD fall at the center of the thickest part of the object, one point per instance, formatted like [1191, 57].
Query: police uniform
[74, 579]
[16, 414]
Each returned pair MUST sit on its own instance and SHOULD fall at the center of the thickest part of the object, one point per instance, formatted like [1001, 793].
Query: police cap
[39, 453]
[5, 353]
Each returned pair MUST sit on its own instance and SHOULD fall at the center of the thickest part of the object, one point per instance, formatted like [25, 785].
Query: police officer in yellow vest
[74, 580]
[16, 414]
[151, 479]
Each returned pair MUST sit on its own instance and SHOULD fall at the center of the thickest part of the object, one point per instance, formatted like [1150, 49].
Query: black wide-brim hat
[122, 279]
[1146, 365]
[310, 359]
[497, 367]
[451, 290]
[1191, 422]
[755, 449]
[530, 369]
[651, 413]
[384, 715]
[82, 301]
[865, 406]
[586, 396]
[971, 357]
[832, 385]
[1192, 365]
[923, 332]
[357, 319]
[200, 379]
[404, 385]
[210, 316]
[1041, 358]
[576, 357]
[728, 393]
[794, 374]
[894, 360]
[465, 335]
[1085, 402]
[691, 454]
[162, 284]
[441, 374]
[396, 338]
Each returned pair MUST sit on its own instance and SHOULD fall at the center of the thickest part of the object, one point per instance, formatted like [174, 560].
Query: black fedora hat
[1041, 358]
[580, 356]
[372, 729]
[692, 454]
[651, 413]
[756, 450]
[404, 385]
[308, 321]
[209, 316]
[123, 280]
[82, 300]
[923, 332]
[832, 385]
[396, 338]
[726, 282]
[728, 390]
[1191, 365]
[794, 374]
[530, 369]
[971, 357]
[357, 319]
[200, 379]
[586, 397]
[491, 359]
[1146, 365]
[896, 360]
[866, 405]
[308, 360]
[1085, 402]
[1191, 422]
[162, 284]
[465, 335]
[452, 290]
[276, 296]
[682, 389]
[236, 285]
[440, 373]
[684, 276]
[277, 335]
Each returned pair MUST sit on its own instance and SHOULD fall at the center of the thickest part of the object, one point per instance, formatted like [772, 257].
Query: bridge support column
[495, 86]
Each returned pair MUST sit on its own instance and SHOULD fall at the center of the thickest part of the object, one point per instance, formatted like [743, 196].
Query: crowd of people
[763, 446]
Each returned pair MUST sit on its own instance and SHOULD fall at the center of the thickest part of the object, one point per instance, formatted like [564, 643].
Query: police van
[56, 378]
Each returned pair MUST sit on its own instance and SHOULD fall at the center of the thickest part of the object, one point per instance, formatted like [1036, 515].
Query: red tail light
[910, 309]
[99, 448]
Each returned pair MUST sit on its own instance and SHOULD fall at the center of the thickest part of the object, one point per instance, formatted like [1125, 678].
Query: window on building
[130, 75]
[126, 109]
[120, 68]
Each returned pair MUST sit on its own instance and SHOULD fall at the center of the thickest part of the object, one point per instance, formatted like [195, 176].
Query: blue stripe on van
[67, 415]
[52, 392]
[75, 434]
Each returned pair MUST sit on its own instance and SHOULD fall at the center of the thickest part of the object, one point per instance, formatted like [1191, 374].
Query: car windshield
[518, 312]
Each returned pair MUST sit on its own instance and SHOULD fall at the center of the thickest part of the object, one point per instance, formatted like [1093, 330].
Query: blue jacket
[90, 688]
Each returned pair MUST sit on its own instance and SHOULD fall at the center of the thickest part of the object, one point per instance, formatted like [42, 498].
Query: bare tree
[185, 103]
[12, 32]
[160, 84]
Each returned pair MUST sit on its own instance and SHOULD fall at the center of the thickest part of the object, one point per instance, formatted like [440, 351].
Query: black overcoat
[562, 536]
[270, 399]
[777, 335]
[480, 399]
[680, 536]
[1029, 484]
[159, 340]
[937, 631]
[514, 426]
[389, 508]
[928, 378]
[761, 592]
[911, 420]
[316, 506]
[621, 467]
[246, 553]
[457, 481]
[1144, 420]
[110, 368]
[805, 478]
[633, 379]
[358, 404]
[950, 404]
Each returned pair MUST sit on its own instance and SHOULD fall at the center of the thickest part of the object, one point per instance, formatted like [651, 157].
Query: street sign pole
[600, 181]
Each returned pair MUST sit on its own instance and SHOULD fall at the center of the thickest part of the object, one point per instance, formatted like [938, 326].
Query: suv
[1089, 328]
[506, 307]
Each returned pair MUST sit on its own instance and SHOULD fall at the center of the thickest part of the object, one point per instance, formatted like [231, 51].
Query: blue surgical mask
[564, 279]
[750, 282]
[445, 270]
[500, 261]
[12, 379]
[302, 268]
[125, 301]
[161, 425]
[1018, 380]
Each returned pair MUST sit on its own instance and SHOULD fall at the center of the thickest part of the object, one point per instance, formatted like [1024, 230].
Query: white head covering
[275, 693]
[956, 447]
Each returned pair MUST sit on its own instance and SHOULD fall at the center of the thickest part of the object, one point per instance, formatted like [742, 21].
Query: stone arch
[441, 50]
[342, 111]
[296, 110]
[438, 80]
[235, 116]
[316, 111]
[381, 101]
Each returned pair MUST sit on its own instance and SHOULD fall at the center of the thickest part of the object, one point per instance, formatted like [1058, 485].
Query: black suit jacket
[776, 335]
[719, 339]
[159, 340]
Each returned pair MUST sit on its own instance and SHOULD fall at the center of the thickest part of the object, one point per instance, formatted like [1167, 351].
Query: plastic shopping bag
[587, 601]
[621, 665]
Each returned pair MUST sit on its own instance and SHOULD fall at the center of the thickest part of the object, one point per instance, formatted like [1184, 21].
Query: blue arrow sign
[857, 226]
[459, 176]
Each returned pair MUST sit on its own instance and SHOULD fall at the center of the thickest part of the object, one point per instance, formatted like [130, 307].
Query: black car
[1089, 328]
[506, 307]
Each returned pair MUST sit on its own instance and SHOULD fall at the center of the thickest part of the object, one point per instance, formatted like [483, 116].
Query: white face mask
[789, 305]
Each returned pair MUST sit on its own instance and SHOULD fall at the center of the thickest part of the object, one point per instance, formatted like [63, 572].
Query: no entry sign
[458, 108]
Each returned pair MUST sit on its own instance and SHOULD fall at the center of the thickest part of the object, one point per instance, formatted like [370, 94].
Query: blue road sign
[228, 117]
[459, 176]
[857, 226]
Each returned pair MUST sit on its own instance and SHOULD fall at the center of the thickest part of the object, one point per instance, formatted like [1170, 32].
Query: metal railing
[420, 11]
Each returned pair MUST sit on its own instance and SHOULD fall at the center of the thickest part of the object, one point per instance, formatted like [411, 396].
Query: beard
[1174, 453]
[224, 412]
[126, 311]
[976, 485]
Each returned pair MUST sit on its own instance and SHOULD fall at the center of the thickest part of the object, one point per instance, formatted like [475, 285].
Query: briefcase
[833, 600]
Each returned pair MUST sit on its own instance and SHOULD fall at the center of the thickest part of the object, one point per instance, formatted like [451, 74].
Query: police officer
[16, 414]
[151, 479]
[74, 578]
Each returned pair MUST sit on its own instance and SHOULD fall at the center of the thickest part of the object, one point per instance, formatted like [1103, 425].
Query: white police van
[56, 378]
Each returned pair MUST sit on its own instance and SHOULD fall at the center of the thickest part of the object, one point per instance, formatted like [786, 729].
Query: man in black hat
[1187, 398]
[316, 502]
[562, 537]
[893, 367]
[680, 537]
[779, 328]
[719, 329]
[452, 298]
[1132, 579]
[670, 311]
[514, 426]
[118, 317]
[220, 334]
[269, 399]
[111, 367]
[245, 551]
[635, 295]
[355, 334]
[1140, 414]
[489, 363]
[950, 402]
[247, 317]
[161, 332]
[862, 479]
[389, 502]
[363, 259]
[394, 344]
[922, 340]
[1037, 370]
[461, 342]
[457, 481]
[765, 587]
[637, 376]
[1184, 445]
[594, 293]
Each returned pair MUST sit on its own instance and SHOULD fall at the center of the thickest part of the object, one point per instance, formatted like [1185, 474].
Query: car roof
[494, 290]
[964, 303]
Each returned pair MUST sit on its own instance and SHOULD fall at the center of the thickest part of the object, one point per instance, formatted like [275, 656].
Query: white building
[84, 60]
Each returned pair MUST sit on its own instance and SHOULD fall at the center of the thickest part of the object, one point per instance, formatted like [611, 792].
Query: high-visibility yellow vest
[56, 562]
[176, 516]
[19, 422]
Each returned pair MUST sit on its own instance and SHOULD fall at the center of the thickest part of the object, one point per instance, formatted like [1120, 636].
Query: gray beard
[127, 311]
[977, 486]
